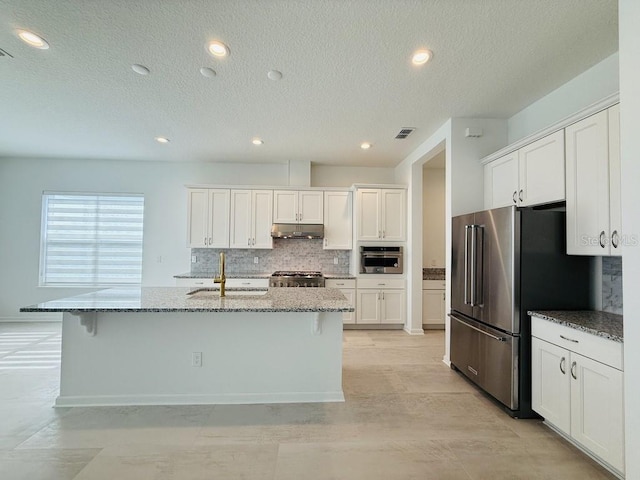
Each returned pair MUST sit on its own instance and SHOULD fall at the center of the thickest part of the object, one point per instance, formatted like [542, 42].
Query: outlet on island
[255, 259]
[194, 259]
[196, 359]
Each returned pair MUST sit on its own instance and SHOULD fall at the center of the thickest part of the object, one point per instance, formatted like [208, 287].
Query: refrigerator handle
[466, 264]
[478, 266]
[473, 265]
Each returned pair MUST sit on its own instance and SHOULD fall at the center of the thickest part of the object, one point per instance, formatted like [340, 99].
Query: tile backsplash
[612, 284]
[298, 254]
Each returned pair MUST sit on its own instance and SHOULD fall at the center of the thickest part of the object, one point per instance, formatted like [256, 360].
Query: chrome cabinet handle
[602, 238]
[210, 240]
[573, 370]
[383, 234]
[562, 365]
[569, 339]
[339, 283]
[205, 240]
[515, 199]
[615, 239]
[326, 242]
[249, 241]
[379, 233]
[520, 196]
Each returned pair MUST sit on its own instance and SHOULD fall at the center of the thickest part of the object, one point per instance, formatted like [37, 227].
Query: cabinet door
[241, 222]
[219, 218]
[337, 221]
[368, 214]
[393, 214]
[615, 209]
[198, 218]
[310, 206]
[501, 182]
[433, 307]
[551, 383]
[368, 306]
[393, 303]
[262, 209]
[588, 186]
[597, 409]
[285, 206]
[541, 171]
[349, 317]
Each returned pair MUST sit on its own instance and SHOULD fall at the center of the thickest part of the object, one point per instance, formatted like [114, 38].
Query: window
[91, 239]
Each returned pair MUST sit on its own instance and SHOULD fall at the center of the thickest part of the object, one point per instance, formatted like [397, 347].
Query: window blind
[91, 239]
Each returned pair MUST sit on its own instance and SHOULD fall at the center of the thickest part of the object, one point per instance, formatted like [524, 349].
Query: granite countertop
[175, 299]
[433, 274]
[602, 324]
[228, 275]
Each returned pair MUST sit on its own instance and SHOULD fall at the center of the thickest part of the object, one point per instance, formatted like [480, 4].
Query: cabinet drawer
[380, 283]
[433, 284]
[340, 283]
[194, 282]
[247, 282]
[586, 344]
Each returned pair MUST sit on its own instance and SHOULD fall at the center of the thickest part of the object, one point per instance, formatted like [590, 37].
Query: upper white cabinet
[208, 217]
[593, 184]
[304, 206]
[381, 214]
[532, 175]
[338, 222]
[251, 219]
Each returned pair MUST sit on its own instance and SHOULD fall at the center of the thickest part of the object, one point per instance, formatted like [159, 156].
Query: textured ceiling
[345, 63]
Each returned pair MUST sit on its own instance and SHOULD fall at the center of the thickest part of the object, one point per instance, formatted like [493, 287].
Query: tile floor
[407, 416]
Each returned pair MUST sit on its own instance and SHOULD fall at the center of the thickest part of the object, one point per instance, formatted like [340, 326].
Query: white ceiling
[345, 63]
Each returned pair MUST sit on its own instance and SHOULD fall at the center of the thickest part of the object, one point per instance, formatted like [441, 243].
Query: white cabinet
[231, 282]
[577, 386]
[433, 303]
[251, 219]
[532, 175]
[208, 217]
[381, 301]
[304, 206]
[381, 214]
[195, 282]
[593, 184]
[348, 289]
[338, 223]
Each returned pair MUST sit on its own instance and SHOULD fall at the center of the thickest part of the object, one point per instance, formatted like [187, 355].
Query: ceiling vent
[4, 53]
[404, 132]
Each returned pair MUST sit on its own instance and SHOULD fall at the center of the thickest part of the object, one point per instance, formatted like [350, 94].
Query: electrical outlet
[196, 359]
[159, 259]
[255, 259]
[433, 263]
[194, 259]
[335, 260]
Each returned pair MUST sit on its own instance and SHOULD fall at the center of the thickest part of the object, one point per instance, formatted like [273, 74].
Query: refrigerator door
[497, 244]
[488, 357]
[461, 267]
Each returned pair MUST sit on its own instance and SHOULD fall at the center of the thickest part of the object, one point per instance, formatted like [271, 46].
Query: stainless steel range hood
[297, 230]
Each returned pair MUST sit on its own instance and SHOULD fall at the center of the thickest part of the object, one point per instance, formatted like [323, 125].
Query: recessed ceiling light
[257, 141]
[140, 69]
[207, 72]
[162, 140]
[365, 145]
[218, 49]
[274, 75]
[420, 57]
[32, 39]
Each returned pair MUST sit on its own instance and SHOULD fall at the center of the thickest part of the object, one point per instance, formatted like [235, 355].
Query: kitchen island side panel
[145, 358]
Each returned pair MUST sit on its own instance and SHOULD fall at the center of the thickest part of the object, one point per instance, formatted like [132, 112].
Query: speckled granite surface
[175, 299]
[433, 274]
[603, 324]
[215, 274]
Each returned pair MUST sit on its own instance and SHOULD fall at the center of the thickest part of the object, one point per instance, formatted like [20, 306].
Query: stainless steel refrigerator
[505, 262]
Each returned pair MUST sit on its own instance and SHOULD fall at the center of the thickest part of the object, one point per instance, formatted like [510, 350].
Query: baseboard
[373, 326]
[211, 399]
[414, 331]
[32, 317]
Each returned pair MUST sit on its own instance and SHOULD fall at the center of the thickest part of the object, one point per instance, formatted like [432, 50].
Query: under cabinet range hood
[297, 230]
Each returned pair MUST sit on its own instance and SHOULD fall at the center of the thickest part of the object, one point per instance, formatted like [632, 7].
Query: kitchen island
[158, 345]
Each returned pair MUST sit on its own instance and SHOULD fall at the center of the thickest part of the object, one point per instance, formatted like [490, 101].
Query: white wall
[629, 11]
[22, 182]
[433, 218]
[589, 87]
[334, 176]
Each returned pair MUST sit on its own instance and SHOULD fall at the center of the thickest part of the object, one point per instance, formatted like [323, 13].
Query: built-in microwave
[380, 259]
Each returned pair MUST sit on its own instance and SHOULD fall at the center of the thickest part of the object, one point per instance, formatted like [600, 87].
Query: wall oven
[381, 259]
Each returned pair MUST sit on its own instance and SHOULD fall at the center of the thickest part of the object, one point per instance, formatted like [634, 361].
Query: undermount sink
[215, 293]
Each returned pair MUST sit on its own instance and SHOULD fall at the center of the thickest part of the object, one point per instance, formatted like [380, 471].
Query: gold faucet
[222, 279]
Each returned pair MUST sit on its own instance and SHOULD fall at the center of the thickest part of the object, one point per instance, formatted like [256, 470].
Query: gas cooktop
[296, 278]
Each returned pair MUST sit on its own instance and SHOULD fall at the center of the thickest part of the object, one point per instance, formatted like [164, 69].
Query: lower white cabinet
[433, 303]
[579, 394]
[381, 301]
[230, 283]
[348, 289]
